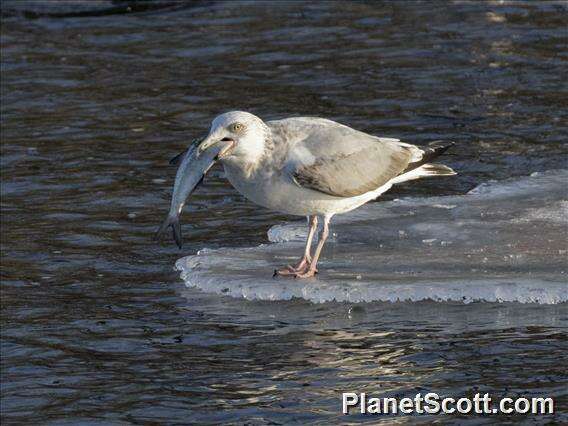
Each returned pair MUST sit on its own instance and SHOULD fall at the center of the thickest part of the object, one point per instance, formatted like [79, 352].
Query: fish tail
[173, 222]
[176, 231]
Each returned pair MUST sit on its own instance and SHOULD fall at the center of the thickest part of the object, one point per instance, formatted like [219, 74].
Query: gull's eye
[237, 127]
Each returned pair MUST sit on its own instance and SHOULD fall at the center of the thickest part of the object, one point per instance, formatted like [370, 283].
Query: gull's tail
[423, 168]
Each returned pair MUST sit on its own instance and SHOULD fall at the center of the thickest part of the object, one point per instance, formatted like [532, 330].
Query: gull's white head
[246, 131]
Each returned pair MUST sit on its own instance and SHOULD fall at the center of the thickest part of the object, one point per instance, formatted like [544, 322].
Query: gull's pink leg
[304, 263]
[306, 259]
[312, 270]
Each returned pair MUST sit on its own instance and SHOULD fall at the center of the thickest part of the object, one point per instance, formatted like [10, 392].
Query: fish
[193, 166]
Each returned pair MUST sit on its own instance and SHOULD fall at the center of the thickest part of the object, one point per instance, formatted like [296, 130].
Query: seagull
[313, 167]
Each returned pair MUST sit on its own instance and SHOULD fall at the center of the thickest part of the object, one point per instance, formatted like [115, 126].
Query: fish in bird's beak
[194, 164]
[212, 141]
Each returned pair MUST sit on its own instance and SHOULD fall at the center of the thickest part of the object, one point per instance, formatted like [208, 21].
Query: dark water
[97, 328]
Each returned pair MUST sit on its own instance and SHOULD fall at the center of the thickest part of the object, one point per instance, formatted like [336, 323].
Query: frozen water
[503, 241]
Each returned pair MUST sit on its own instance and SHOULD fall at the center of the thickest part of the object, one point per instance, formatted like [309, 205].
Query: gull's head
[245, 133]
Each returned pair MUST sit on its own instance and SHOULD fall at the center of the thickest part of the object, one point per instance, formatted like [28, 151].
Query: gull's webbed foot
[308, 273]
[288, 271]
[295, 271]
[285, 271]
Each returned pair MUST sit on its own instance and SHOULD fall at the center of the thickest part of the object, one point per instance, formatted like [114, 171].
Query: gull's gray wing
[337, 160]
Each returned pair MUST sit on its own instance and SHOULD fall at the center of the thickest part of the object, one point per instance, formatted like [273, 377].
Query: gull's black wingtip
[440, 146]
[432, 151]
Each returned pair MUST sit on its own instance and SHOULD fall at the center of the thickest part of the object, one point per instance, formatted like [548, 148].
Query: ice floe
[503, 241]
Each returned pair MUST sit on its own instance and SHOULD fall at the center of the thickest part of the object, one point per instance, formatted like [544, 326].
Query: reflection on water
[95, 324]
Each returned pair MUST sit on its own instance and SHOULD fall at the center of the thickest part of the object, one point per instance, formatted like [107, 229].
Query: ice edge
[465, 291]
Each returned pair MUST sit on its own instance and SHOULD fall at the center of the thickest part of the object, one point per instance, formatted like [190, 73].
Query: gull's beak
[207, 143]
[226, 143]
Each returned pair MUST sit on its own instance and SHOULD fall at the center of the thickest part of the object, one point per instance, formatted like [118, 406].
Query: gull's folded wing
[343, 162]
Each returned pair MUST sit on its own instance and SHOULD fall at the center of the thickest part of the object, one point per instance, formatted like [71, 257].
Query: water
[97, 327]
